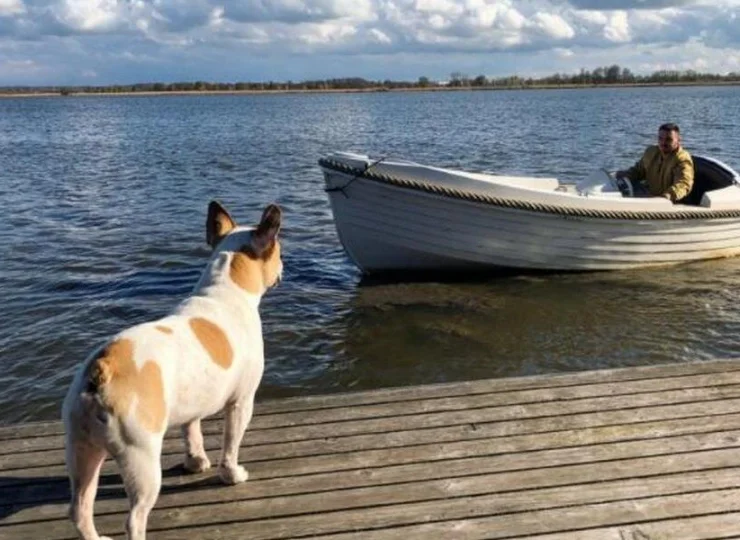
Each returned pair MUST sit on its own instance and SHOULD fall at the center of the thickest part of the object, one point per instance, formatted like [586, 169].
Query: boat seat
[708, 176]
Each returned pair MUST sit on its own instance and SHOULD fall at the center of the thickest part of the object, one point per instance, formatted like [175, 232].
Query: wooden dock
[634, 454]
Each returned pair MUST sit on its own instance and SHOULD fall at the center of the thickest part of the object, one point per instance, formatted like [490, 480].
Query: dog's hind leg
[142, 478]
[84, 461]
[237, 419]
[196, 459]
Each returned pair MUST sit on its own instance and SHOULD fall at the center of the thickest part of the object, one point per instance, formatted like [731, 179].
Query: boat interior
[708, 176]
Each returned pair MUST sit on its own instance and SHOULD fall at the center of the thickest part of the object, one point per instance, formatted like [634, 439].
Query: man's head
[669, 138]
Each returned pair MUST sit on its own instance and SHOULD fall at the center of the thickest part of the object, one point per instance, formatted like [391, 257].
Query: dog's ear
[218, 223]
[263, 237]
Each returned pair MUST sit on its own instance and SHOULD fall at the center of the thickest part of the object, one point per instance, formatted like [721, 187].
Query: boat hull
[386, 228]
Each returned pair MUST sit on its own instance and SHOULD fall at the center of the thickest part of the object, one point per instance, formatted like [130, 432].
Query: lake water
[104, 199]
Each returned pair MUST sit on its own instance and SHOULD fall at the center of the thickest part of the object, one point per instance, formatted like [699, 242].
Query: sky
[103, 42]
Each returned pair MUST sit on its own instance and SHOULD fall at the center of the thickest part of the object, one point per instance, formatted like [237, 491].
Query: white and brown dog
[205, 357]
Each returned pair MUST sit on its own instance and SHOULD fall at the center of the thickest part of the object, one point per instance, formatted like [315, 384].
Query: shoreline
[369, 90]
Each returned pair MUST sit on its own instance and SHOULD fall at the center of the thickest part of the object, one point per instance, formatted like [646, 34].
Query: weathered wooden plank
[462, 498]
[632, 391]
[499, 516]
[716, 403]
[706, 527]
[651, 421]
[544, 381]
[312, 404]
[312, 439]
[512, 436]
[472, 477]
[711, 527]
[669, 451]
[624, 513]
[368, 508]
[636, 391]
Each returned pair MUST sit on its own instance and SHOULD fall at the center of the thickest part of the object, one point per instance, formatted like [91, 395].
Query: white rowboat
[396, 215]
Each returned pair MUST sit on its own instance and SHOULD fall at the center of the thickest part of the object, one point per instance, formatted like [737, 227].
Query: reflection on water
[105, 202]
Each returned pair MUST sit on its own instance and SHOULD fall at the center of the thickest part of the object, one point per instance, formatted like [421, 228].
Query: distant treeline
[609, 75]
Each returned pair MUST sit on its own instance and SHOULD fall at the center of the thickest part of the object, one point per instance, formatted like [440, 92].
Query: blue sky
[99, 42]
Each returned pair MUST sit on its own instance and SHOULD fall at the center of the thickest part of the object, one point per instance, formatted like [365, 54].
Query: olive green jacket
[671, 175]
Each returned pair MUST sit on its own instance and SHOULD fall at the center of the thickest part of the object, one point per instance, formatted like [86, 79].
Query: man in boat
[667, 169]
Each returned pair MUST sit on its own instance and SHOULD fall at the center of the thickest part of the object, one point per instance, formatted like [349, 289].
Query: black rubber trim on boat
[515, 204]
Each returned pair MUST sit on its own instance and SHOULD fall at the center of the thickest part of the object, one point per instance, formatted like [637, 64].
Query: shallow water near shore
[105, 202]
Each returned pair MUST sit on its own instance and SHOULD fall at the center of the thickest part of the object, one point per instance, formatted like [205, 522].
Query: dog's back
[176, 369]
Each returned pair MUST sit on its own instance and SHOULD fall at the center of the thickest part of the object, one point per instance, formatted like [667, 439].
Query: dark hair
[670, 127]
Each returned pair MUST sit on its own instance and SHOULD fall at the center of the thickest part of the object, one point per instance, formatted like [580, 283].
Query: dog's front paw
[233, 475]
[196, 464]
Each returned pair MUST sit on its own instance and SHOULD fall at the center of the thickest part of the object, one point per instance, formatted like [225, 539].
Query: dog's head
[256, 263]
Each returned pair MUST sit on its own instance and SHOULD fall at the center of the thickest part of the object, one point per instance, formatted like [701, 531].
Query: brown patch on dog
[115, 359]
[163, 329]
[150, 407]
[245, 272]
[255, 273]
[214, 341]
[118, 381]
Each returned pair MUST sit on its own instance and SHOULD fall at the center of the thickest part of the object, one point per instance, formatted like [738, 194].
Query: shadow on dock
[19, 493]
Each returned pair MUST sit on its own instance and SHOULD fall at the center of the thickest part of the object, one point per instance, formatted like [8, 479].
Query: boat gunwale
[689, 213]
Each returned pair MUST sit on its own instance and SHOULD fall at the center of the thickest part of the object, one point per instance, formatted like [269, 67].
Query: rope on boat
[514, 204]
[343, 187]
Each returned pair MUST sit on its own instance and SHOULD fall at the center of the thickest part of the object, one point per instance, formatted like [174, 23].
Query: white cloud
[178, 15]
[484, 16]
[130, 57]
[379, 36]
[325, 33]
[692, 56]
[438, 6]
[591, 17]
[512, 19]
[437, 21]
[297, 11]
[630, 4]
[617, 29]
[718, 3]
[11, 7]
[563, 53]
[88, 15]
[553, 26]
